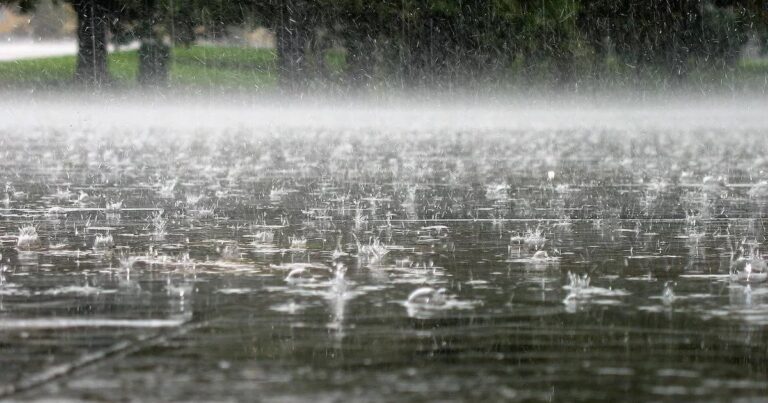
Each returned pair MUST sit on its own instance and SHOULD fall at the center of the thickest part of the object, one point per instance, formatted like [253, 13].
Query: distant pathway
[19, 49]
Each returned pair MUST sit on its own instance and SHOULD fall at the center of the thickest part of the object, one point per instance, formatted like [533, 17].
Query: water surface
[371, 254]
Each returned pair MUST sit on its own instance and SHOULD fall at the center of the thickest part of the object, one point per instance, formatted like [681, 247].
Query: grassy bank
[195, 66]
[246, 69]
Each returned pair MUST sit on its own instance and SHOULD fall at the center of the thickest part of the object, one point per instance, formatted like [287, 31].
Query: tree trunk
[360, 58]
[154, 55]
[92, 25]
[292, 37]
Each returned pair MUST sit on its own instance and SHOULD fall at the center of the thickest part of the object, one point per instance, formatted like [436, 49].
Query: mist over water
[628, 112]
[212, 248]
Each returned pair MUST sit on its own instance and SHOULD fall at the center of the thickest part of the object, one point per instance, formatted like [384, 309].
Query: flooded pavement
[581, 260]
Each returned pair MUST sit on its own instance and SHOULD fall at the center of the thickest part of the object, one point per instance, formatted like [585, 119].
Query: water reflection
[526, 265]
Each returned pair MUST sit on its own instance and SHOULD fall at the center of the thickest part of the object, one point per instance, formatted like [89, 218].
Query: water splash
[28, 238]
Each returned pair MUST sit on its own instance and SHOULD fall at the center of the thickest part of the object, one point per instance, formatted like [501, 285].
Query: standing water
[409, 253]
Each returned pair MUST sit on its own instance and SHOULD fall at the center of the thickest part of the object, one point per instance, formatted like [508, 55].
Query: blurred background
[353, 45]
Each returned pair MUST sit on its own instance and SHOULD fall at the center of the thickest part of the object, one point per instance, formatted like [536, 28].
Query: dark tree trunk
[92, 26]
[360, 59]
[564, 61]
[292, 36]
[414, 61]
[154, 55]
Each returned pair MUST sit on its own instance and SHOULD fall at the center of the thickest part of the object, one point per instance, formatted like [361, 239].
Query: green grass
[224, 68]
[194, 66]
[37, 72]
